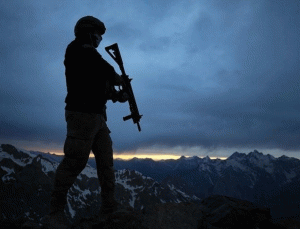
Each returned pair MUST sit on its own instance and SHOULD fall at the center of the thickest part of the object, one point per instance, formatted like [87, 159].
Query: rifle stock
[114, 52]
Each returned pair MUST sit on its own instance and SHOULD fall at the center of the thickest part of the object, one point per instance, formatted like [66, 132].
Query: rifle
[116, 55]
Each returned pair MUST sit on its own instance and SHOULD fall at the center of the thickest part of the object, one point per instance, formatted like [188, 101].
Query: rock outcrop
[215, 212]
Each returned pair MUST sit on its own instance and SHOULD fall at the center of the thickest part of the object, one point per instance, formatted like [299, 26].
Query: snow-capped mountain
[27, 180]
[219, 176]
[259, 178]
[255, 177]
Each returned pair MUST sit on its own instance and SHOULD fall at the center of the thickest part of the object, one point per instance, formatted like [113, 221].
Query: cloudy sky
[210, 77]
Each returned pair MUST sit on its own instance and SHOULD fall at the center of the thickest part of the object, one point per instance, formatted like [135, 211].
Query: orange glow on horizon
[155, 157]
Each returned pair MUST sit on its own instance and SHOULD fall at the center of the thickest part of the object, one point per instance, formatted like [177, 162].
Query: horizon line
[155, 157]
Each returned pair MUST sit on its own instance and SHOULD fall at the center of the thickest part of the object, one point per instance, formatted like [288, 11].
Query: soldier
[88, 78]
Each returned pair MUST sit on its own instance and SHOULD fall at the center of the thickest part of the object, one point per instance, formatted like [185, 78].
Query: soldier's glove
[122, 96]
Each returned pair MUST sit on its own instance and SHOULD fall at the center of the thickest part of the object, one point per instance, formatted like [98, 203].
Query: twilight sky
[210, 77]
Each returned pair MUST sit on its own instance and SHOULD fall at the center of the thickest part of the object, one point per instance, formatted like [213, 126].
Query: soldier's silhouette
[88, 78]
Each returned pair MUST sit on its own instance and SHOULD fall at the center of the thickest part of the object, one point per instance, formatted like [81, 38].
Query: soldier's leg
[102, 149]
[76, 156]
[81, 130]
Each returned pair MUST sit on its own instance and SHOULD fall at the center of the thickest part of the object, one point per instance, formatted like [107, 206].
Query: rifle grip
[127, 117]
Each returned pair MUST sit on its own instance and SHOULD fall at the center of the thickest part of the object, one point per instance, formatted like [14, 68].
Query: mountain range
[262, 179]
[27, 179]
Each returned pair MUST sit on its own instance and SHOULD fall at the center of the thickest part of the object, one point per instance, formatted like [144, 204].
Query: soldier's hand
[123, 97]
[118, 80]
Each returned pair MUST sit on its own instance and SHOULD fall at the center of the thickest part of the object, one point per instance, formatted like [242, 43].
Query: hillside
[27, 180]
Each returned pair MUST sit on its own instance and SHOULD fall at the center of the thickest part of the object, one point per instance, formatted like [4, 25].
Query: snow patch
[262, 161]
[47, 166]
[236, 164]
[177, 191]
[162, 201]
[9, 172]
[210, 180]
[195, 197]
[89, 172]
[28, 214]
[290, 176]
[22, 162]
[270, 170]
[204, 167]
[124, 183]
[71, 210]
[27, 152]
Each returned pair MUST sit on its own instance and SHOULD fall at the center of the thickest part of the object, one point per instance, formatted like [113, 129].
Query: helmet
[89, 24]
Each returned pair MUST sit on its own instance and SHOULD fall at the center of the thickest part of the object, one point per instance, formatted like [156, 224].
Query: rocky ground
[215, 212]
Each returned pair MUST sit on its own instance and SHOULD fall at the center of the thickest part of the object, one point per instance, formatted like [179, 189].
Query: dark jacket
[86, 76]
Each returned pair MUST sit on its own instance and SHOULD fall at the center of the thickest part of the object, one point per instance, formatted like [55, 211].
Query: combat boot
[108, 207]
[55, 220]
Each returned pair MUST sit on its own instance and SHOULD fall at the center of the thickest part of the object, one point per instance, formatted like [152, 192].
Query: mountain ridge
[27, 180]
[241, 175]
[252, 176]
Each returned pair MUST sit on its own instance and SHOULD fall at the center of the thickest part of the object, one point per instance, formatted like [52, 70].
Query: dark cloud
[206, 74]
[122, 30]
[158, 45]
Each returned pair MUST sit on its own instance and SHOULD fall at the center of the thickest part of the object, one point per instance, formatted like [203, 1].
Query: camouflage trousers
[86, 132]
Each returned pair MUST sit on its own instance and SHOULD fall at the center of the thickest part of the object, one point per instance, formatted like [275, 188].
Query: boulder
[227, 212]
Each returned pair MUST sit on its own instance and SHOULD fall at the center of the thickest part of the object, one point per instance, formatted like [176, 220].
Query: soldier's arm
[118, 80]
